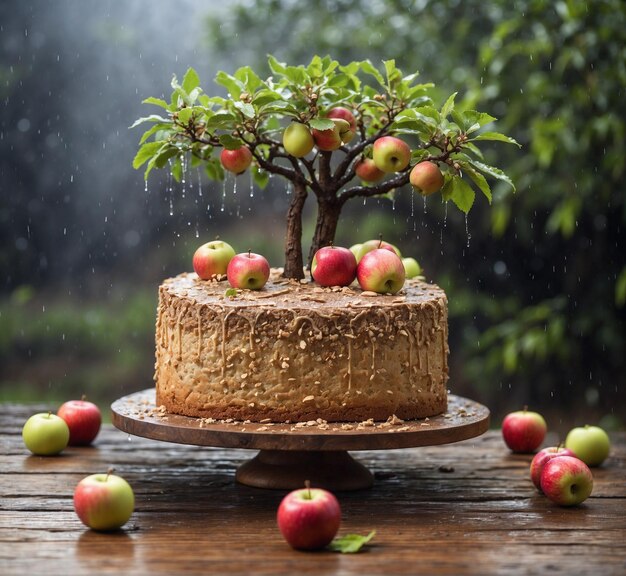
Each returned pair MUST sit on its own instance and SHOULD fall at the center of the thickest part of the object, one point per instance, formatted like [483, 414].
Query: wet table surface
[462, 508]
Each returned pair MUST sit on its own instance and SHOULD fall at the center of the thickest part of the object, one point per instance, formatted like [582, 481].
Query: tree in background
[548, 319]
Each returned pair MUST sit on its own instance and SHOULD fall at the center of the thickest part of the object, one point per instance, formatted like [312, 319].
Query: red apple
[248, 270]
[83, 419]
[370, 245]
[104, 501]
[344, 114]
[426, 178]
[367, 171]
[333, 266]
[523, 431]
[212, 259]
[381, 271]
[390, 154]
[330, 139]
[237, 160]
[566, 480]
[542, 458]
[309, 518]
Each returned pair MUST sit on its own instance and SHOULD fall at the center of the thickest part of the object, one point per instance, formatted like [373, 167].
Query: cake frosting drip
[295, 351]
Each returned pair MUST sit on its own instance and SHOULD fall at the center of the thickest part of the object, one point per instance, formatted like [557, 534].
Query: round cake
[295, 351]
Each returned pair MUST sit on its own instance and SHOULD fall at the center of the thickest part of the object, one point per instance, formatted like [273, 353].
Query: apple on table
[333, 266]
[566, 480]
[542, 458]
[248, 271]
[523, 430]
[411, 267]
[309, 518]
[104, 501]
[211, 259]
[381, 271]
[45, 434]
[83, 419]
[590, 443]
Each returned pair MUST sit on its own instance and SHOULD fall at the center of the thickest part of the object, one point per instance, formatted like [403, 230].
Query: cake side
[295, 351]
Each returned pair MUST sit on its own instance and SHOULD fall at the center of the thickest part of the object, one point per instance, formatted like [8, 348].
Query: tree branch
[397, 181]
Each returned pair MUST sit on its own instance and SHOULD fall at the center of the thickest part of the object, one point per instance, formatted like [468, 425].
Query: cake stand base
[288, 469]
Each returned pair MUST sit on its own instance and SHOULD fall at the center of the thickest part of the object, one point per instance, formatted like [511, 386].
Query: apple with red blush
[426, 178]
[248, 271]
[370, 245]
[83, 418]
[236, 161]
[367, 171]
[381, 270]
[390, 154]
[331, 138]
[566, 480]
[211, 259]
[523, 431]
[542, 458]
[309, 518]
[333, 266]
[347, 134]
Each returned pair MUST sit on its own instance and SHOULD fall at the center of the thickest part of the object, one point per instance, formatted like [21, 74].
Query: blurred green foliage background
[536, 283]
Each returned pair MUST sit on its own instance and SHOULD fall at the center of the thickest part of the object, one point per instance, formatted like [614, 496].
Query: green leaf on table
[230, 293]
[350, 543]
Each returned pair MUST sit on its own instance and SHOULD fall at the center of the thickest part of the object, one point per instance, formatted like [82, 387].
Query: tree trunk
[328, 210]
[294, 265]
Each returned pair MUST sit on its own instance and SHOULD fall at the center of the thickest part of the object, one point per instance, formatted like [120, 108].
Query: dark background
[536, 282]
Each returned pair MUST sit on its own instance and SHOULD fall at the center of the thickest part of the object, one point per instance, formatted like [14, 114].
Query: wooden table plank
[465, 508]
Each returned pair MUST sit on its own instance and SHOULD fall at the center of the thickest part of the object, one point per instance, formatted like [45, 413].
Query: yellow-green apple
[411, 267]
[83, 418]
[390, 154]
[236, 161]
[333, 266]
[297, 140]
[426, 178]
[104, 501]
[566, 480]
[542, 458]
[381, 271]
[330, 139]
[355, 248]
[523, 431]
[309, 518]
[590, 443]
[45, 434]
[373, 245]
[344, 114]
[212, 258]
[367, 171]
[248, 270]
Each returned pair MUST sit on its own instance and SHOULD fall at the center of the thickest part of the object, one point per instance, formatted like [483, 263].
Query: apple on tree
[523, 431]
[104, 501]
[367, 171]
[590, 443]
[426, 178]
[542, 458]
[334, 266]
[236, 161]
[566, 480]
[309, 518]
[211, 259]
[331, 138]
[390, 154]
[297, 140]
[347, 134]
[381, 271]
[83, 419]
[45, 434]
[248, 271]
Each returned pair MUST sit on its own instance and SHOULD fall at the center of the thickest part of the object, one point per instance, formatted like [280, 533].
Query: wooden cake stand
[289, 454]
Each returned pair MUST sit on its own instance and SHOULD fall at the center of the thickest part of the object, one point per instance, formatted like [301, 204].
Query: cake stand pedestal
[289, 454]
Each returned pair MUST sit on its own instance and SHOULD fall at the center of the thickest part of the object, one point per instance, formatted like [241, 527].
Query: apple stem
[380, 240]
[109, 472]
[525, 407]
[83, 397]
[249, 253]
[307, 485]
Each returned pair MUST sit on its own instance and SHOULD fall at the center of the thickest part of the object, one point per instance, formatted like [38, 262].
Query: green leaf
[177, 169]
[350, 543]
[221, 120]
[230, 293]
[448, 106]
[156, 102]
[230, 142]
[151, 118]
[234, 86]
[368, 68]
[460, 192]
[620, 289]
[493, 172]
[146, 152]
[393, 74]
[260, 177]
[191, 80]
[153, 130]
[185, 115]
[474, 120]
[497, 136]
[276, 67]
[246, 109]
[478, 179]
[322, 124]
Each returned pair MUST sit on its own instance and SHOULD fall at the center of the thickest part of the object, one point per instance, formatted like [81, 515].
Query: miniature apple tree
[335, 132]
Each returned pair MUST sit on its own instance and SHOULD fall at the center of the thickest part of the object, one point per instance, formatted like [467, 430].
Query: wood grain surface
[462, 508]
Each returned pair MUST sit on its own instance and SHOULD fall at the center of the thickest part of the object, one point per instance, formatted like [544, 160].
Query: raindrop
[199, 182]
[251, 185]
[467, 231]
[223, 194]
[412, 204]
[445, 214]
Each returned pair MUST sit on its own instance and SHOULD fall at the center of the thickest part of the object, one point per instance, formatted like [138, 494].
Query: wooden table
[465, 508]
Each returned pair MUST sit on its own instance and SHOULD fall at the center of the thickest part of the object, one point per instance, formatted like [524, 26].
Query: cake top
[291, 293]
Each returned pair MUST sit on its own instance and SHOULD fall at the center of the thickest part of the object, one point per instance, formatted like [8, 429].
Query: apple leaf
[191, 80]
[234, 86]
[322, 124]
[350, 543]
[448, 106]
[460, 192]
[230, 142]
[497, 136]
[145, 153]
[156, 102]
[230, 293]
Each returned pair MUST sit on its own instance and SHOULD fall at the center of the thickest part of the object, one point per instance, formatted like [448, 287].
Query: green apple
[390, 154]
[355, 248]
[590, 443]
[212, 259]
[373, 245]
[411, 267]
[45, 434]
[297, 140]
[104, 501]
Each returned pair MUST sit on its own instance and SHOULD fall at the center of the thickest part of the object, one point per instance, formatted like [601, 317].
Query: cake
[295, 351]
